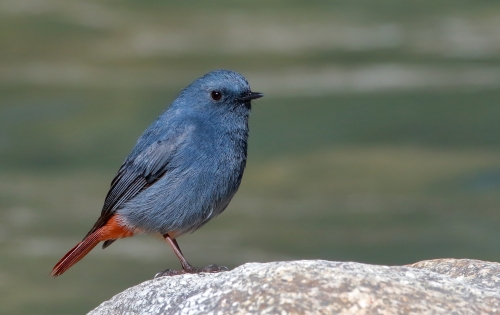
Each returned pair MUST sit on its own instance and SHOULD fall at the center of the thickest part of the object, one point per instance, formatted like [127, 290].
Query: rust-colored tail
[111, 231]
[75, 254]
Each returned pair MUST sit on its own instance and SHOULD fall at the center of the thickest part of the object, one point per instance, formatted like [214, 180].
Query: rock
[482, 274]
[445, 286]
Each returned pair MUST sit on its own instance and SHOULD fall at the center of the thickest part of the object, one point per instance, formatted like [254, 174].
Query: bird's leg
[177, 250]
[186, 267]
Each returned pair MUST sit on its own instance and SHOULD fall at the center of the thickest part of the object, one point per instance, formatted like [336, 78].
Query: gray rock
[482, 274]
[446, 286]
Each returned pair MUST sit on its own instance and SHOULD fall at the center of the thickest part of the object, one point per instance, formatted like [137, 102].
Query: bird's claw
[214, 268]
[169, 273]
[193, 270]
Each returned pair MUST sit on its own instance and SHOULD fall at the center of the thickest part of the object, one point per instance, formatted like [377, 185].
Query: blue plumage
[183, 170]
[193, 155]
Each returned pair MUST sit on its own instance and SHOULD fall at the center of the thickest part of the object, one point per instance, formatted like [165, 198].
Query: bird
[182, 172]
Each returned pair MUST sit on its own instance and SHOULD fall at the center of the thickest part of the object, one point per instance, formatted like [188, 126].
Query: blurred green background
[378, 140]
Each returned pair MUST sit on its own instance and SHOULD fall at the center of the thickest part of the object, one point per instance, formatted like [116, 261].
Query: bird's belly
[182, 201]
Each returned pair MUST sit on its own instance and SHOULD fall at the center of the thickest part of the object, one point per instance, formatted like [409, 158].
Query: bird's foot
[214, 268]
[169, 273]
[192, 270]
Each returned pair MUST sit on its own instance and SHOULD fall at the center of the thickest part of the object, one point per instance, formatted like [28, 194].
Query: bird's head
[220, 91]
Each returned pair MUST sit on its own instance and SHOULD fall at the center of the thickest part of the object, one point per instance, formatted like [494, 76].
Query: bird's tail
[111, 231]
[76, 253]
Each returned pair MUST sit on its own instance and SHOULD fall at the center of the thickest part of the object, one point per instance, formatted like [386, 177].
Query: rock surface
[482, 274]
[443, 286]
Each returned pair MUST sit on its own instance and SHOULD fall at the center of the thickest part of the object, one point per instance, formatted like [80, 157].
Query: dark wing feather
[135, 175]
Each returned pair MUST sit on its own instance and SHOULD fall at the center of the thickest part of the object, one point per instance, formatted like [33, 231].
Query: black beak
[249, 97]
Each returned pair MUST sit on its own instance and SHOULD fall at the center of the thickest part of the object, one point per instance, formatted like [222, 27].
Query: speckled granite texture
[444, 286]
[482, 274]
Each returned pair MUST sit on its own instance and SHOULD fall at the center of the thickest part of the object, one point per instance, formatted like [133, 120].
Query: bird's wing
[137, 174]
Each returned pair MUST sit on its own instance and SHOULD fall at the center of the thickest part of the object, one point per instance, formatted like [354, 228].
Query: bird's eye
[216, 95]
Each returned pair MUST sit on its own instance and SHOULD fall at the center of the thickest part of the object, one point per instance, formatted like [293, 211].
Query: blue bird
[183, 171]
